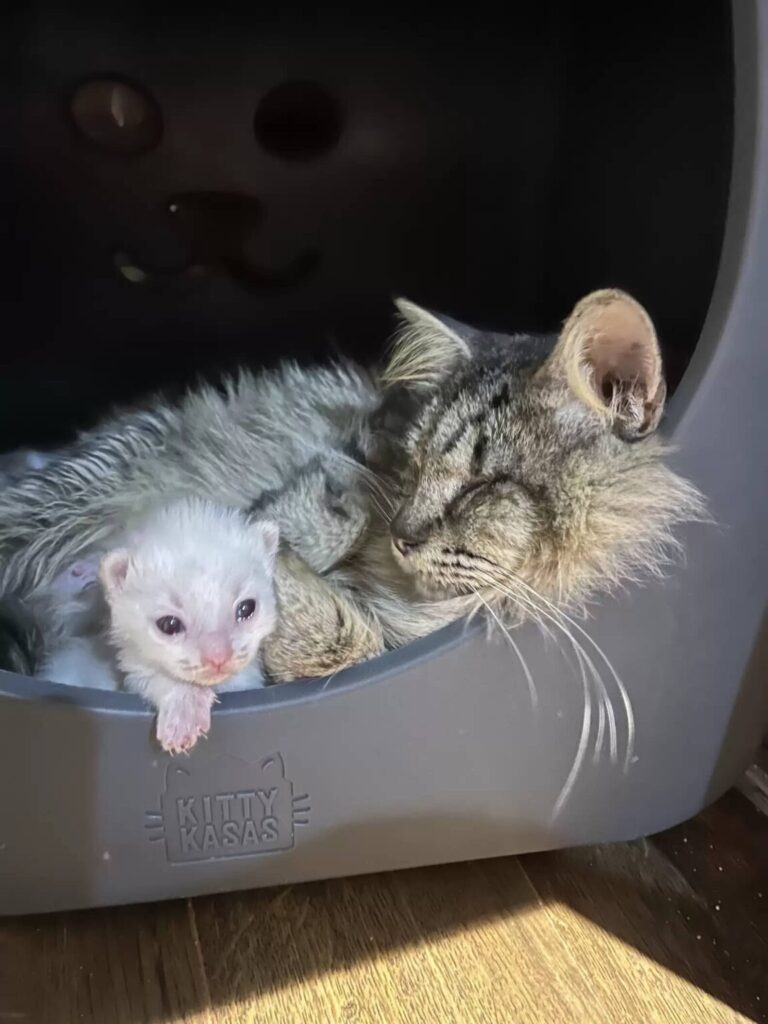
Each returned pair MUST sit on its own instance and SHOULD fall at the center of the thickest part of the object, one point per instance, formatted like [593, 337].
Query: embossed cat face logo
[296, 121]
[252, 810]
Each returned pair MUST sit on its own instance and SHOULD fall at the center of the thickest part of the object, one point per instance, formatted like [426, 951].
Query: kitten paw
[321, 517]
[183, 717]
[77, 577]
[318, 632]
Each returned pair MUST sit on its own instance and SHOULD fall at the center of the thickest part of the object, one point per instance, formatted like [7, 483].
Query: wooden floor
[673, 930]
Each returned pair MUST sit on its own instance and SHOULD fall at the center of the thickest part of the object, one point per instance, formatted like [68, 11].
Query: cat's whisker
[600, 733]
[367, 475]
[605, 713]
[586, 665]
[375, 486]
[536, 603]
[380, 508]
[610, 714]
[523, 663]
[385, 514]
[384, 503]
[329, 679]
[581, 751]
[556, 616]
[552, 613]
[619, 683]
[520, 601]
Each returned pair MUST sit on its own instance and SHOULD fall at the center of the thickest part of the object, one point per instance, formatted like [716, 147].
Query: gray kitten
[476, 469]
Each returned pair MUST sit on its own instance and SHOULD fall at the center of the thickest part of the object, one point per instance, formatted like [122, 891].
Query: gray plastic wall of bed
[436, 752]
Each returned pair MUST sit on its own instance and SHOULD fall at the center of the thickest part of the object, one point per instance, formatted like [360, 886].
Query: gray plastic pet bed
[565, 155]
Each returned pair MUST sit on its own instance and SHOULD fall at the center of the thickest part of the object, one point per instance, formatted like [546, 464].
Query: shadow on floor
[694, 899]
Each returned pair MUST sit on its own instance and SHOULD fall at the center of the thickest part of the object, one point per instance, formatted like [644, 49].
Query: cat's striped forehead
[482, 404]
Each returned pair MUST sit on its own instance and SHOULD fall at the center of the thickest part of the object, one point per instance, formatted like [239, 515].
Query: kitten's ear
[113, 571]
[609, 356]
[425, 351]
[270, 536]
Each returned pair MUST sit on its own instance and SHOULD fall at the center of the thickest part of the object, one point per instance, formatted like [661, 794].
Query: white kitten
[190, 595]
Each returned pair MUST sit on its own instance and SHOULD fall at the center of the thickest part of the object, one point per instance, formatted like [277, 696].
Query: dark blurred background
[183, 193]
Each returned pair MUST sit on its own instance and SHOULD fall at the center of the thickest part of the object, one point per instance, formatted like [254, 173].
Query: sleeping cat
[476, 468]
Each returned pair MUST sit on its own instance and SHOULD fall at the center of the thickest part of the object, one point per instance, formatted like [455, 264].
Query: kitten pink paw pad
[183, 719]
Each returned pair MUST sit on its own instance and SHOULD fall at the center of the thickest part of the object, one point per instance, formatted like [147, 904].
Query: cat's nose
[407, 538]
[405, 546]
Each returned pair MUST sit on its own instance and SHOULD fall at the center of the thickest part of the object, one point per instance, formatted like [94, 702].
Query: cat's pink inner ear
[114, 570]
[609, 354]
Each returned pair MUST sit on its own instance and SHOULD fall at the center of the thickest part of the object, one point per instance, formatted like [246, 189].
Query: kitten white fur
[90, 662]
[83, 661]
[190, 598]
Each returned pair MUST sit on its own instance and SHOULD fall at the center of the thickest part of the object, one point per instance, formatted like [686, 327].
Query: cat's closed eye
[245, 610]
[499, 484]
[470, 488]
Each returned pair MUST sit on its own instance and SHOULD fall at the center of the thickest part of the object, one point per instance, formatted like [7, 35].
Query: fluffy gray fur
[517, 467]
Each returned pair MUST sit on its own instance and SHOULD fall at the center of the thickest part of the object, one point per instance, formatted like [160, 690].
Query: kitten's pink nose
[215, 651]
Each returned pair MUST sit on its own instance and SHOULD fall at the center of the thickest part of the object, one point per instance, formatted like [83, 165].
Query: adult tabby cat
[475, 468]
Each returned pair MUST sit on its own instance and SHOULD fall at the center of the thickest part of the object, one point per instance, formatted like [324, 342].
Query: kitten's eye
[170, 625]
[245, 610]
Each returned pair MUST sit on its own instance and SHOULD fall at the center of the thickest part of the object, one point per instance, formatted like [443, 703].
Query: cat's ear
[609, 356]
[113, 571]
[425, 351]
[270, 538]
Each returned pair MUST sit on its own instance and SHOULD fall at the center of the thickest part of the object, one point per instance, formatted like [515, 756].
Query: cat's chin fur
[628, 536]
